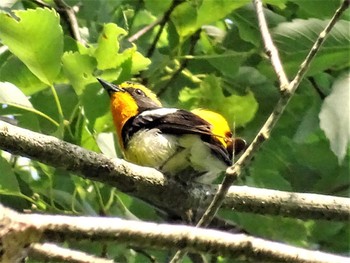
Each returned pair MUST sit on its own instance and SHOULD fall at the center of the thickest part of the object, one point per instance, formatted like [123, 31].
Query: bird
[186, 145]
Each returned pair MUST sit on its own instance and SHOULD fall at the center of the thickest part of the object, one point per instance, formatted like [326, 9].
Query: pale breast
[150, 148]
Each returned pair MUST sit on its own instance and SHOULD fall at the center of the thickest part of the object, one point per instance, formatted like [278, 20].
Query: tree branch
[295, 205]
[270, 47]
[162, 23]
[151, 186]
[144, 30]
[163, 236]
[193, 41]
[68, 14]
[48, 252]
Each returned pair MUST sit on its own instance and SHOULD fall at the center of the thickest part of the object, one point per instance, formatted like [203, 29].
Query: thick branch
[151, 186]
[161, 236]
[296, 205]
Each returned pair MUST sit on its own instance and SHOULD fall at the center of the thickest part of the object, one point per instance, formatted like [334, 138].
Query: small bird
[188, 145]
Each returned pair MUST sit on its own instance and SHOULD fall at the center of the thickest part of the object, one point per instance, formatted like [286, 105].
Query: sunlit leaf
[107, 50]
[105, 142]
[78, 69]
[36, 38]
[188, 17]
[238, 110]
[334, 117]
[11, 95]
[295, 39]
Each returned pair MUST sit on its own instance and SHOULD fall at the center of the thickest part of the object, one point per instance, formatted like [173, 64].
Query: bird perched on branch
[190, 145]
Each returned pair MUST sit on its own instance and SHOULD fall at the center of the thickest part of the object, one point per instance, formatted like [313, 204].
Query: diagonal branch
[264, 133]
[68, 14]
[270, 47]
[287, 90]
[193, 41]
[144, 30]
[162, 23]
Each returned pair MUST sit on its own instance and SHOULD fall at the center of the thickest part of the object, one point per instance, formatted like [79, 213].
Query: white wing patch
[159, 112]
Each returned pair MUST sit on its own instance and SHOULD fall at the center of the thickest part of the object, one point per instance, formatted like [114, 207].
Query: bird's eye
[139, 92]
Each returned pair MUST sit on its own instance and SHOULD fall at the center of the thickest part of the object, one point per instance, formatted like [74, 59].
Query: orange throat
[123, 108]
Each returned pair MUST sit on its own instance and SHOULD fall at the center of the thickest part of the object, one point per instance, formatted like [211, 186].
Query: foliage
[209, 54]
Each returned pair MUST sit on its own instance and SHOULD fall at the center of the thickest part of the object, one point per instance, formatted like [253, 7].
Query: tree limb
[270, 47]
[151, 186]
[163, 236]
[48, 252]
[295, 205]
[68, 14]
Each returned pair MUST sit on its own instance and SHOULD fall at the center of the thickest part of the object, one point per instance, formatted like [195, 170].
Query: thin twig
[69, 14]
[144, 30]
[41, 3]
[316, 88]
[162, 23]
[270, 47]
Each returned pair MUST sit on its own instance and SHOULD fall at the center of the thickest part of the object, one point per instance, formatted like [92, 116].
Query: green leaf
[228, 63]
[210, 11]
[275, 228]
[324, 9]
[36, 38]
[105, 142]
[14, 71]
[106, 53]
[247, 23]
[295, 39]
[309, 124]
[8, 180]
[237, 110]
[79, 68]
[189, 16]
[138, 62]
[334, 117]
[96, 106]
[157, 7]
[11, 95]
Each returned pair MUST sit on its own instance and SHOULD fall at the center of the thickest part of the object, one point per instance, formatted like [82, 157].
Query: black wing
[176, 122]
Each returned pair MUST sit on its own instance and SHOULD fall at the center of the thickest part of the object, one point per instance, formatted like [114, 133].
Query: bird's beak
[109, 87]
